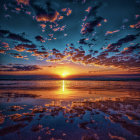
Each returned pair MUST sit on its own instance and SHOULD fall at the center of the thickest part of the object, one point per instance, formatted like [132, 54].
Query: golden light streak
[63, 86]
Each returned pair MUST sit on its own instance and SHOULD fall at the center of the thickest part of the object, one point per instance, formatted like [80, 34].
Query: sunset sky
[69, 37]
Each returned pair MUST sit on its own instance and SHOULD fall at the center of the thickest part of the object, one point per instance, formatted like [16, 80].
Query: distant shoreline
[124, 77]
[76, 79]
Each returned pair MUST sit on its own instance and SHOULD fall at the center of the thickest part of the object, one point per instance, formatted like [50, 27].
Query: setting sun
[64, 74]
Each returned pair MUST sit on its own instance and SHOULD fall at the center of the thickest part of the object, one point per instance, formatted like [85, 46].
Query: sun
[65, 74]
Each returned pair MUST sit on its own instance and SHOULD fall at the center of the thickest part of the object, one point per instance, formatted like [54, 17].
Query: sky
[69, 37]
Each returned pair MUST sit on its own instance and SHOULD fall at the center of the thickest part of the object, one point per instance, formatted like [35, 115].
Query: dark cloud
[47, 14]
[83, 41]
[129, 50]
[18, 55]
[43, 54]
[89, 26]
[40, 38]
[57, 54]
[23, 47]
[114, 46]
[4, 32]
[18, 38]
[93, 10]
[78, 55]
[2, 51]
[4, 44]
[43, 48]
[13, 36]
[19, 67]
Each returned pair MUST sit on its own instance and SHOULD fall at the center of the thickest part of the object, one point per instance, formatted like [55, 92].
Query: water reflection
[63, 85]
[68, 90]
[69, 110]
[65, 91]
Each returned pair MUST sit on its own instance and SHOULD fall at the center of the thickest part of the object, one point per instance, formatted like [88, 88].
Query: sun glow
[64, 74]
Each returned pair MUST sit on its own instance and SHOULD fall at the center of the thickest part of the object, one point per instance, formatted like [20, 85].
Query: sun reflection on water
[64, 91]
[69, 90]
[63, 86]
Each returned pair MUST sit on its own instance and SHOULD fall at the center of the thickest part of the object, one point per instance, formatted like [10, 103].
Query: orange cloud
[20, 48]
[4, 44]
[18, 9]
[111, 32]
[25, 2]
[88, 9]
[137, 25]
[19, 56]
[59, 28]
[105, 20]
[2, 51]
[43, 25]
[48, 18]
[23, 47]
[60, 17]
[68, 10]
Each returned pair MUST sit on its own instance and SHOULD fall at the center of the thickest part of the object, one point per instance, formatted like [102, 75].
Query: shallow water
[69, 109]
